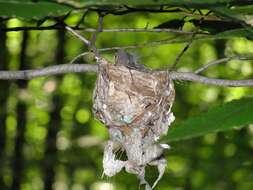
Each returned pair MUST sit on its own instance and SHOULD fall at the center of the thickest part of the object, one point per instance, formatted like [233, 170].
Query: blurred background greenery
[49, 138]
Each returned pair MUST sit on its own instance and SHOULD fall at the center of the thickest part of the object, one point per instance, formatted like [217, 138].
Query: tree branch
[187, 76]
[223, 60]
[80, 68]
[83, 39]
[48, 71]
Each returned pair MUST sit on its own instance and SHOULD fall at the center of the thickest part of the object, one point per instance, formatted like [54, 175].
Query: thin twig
[189, 43]
[147, 44]
[182, 53]
[99, 29]
[90, 43]
[94, 36]
[80, 68]
[132, 9]
[78, 56]
[108, 30]
[87, 42]
[223, 60]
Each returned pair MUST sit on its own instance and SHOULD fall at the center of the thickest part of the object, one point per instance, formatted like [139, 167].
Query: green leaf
[240, 13]
[191, 3]
[235, 114]
[31, 10]
[230, 34]
[247, 9]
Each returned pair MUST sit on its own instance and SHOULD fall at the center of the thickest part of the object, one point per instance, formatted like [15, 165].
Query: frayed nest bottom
[135, 105]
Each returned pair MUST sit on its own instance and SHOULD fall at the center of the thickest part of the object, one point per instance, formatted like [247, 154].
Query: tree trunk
[3, 101]
[50, 159]
[18, 157]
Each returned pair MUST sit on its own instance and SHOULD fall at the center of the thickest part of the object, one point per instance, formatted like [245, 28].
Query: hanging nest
[135, 104]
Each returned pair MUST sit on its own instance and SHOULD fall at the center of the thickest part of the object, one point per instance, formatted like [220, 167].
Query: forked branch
[90, 43]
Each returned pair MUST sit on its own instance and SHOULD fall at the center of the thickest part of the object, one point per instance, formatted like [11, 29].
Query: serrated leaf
[237, 113]
[31, 10]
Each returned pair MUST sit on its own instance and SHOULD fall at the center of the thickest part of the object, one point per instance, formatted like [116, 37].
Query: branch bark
[80, 68]
[187, 76]
[48, 71]
[84, 40]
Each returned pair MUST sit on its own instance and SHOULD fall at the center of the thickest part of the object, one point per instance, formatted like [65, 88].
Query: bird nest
[135, 104]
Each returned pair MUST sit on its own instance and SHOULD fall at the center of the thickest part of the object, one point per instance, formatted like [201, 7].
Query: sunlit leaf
[235, 114]
[31, 10]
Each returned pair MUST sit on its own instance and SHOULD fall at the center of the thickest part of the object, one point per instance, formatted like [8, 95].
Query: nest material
[135, 104]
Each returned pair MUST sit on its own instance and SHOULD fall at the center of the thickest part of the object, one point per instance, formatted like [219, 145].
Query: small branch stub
[135, 104]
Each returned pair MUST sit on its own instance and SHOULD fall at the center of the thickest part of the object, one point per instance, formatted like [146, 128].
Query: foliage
[228, 116]
[36, 10]
[61, 136]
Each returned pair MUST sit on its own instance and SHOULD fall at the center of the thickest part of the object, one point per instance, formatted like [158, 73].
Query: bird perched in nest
[128, 60]
[124, 58]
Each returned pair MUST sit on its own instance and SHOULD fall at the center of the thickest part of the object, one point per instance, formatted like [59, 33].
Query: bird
[128, 60]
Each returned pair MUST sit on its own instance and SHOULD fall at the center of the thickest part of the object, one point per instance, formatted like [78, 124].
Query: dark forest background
[49, 138]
